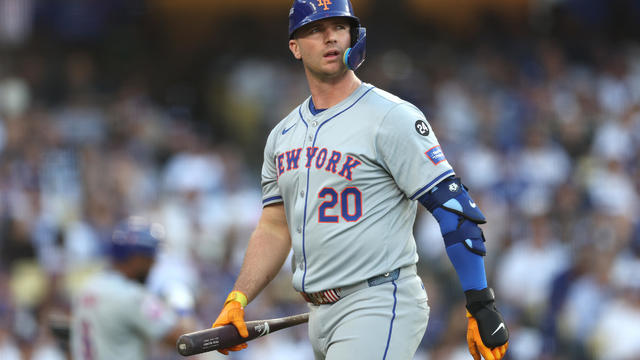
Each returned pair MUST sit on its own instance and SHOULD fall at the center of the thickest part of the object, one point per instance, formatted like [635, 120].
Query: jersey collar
[328, 113]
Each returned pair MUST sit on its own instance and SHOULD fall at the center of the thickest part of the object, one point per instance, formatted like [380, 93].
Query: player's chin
[334, 68]
[328, 70]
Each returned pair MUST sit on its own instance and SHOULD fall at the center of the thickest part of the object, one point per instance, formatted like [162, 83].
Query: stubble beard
[327, 76]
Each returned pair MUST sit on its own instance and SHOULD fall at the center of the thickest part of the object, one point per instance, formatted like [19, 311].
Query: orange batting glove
[233, 313]
[487, 334]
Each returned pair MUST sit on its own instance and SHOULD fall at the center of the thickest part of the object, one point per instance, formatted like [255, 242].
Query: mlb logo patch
[436, 155]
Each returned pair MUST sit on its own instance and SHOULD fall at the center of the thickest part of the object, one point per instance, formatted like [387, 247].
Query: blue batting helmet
[304, 12]
[135, 236]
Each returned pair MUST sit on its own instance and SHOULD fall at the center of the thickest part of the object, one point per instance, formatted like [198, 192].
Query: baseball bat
[226, 336]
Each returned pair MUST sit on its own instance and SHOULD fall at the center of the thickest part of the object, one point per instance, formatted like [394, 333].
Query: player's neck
[329, 92]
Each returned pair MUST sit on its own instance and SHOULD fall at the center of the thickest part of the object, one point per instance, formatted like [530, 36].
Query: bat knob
[185, 345]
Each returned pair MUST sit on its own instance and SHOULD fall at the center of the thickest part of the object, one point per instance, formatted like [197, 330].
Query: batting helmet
[135, 236]
[304, 12]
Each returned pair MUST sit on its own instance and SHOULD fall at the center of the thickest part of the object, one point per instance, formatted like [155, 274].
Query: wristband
[477, 299]
[237, 296]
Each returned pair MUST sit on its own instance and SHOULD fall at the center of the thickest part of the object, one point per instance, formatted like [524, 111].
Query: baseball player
[114, 316]
[341, 179]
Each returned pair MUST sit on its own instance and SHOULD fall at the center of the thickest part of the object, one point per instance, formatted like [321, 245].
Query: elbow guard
[457, 214]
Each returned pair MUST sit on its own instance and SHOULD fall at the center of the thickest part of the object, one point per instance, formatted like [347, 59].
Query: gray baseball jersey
[114, 318]
[347, 177]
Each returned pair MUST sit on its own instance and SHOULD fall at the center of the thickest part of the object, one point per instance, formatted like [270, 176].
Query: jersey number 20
[350, 204]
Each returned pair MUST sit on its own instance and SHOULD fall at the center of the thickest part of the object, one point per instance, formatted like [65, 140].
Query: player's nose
[330, 35]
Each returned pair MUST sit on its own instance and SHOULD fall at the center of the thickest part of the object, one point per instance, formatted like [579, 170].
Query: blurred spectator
[16, 19]
[526, 268]
[616, 335]
[538, 169]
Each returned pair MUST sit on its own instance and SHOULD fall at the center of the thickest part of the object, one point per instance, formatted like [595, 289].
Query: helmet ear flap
[354, 56]
[355, 32]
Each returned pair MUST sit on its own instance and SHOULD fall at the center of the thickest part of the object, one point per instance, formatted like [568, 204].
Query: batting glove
[487, 333]
[233, 313]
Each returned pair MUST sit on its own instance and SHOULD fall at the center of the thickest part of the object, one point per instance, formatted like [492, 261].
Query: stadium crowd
[545, 133]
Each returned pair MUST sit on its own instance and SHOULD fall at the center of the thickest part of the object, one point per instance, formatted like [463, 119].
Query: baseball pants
[384, 322]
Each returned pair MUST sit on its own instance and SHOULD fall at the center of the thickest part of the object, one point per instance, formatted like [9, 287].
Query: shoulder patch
[436, 155]
[422, 128]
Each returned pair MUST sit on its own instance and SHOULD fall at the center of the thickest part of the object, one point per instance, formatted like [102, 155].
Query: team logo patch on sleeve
[436, 155]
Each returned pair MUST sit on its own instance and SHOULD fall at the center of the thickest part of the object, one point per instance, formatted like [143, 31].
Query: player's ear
[295, 49]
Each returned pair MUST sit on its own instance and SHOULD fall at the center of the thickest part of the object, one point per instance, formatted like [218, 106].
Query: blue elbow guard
[457, 214]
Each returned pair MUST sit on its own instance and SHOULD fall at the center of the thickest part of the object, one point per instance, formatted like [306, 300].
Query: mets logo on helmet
[324, 3]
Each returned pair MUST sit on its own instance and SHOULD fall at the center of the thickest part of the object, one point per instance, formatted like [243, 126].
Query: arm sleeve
[270, 190]
[468, 265]
[409, 150]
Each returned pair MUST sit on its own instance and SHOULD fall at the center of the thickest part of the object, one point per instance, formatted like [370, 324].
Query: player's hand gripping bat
[225, 336]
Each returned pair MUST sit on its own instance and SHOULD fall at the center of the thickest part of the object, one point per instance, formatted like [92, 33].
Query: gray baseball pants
[385, 322]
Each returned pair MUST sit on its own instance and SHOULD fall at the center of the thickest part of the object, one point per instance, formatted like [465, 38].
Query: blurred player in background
[114, 316]
[341, 179]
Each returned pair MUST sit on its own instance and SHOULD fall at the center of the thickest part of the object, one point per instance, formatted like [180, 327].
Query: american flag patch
[436, 155]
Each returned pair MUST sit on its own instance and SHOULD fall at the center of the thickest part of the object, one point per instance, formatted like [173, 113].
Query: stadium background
[161, 108]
